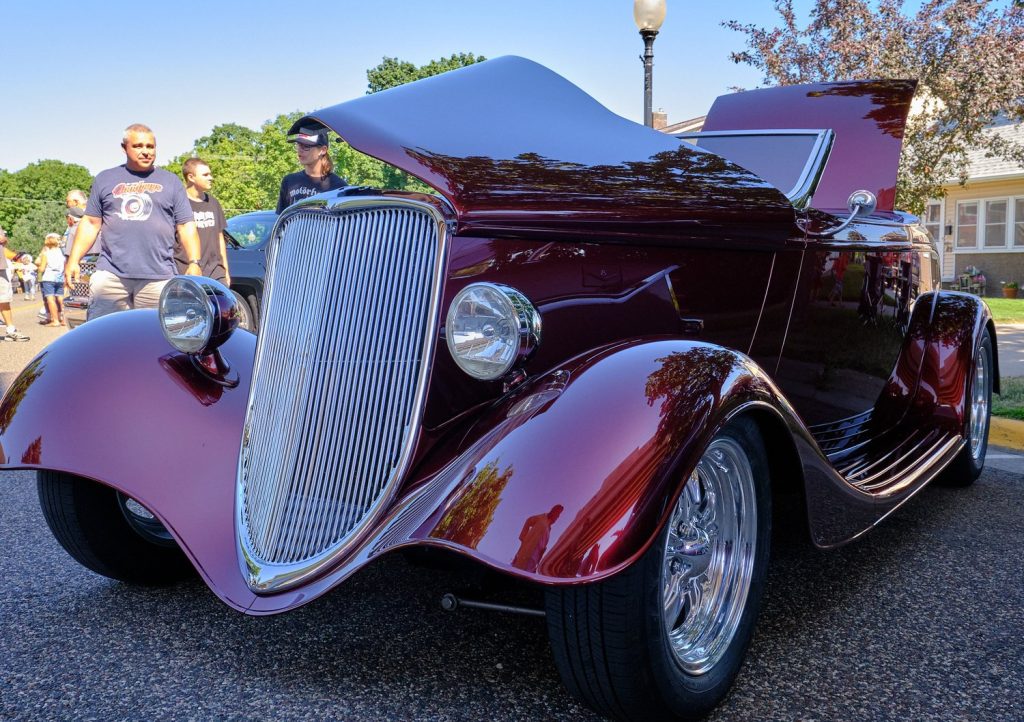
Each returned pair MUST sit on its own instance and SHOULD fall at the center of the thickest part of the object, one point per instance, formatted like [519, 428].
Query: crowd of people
[146, 226]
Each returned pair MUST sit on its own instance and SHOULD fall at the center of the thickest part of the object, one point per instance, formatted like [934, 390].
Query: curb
[1008, 433]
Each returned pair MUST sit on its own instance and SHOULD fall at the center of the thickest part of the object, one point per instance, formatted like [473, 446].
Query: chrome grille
[338, 381]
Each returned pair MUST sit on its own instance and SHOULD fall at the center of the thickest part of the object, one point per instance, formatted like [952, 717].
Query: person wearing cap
[6, 292]
[316, 175]
[139, 209]
[75, 201]
[210, 223]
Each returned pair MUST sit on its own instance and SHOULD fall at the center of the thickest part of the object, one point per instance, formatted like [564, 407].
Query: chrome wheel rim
[709, 557]
[979, 404]
[143, 522]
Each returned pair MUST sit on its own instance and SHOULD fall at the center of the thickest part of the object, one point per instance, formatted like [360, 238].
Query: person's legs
[146, 294]
[51, 307]
[107, 295]
[5, 312]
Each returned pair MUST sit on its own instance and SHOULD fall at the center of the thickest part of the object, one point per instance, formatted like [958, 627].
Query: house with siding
[981, 224]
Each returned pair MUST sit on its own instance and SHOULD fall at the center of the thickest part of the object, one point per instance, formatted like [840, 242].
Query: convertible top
[520, 151]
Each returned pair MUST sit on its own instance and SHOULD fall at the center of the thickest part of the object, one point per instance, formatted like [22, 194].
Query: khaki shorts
[6, 294]
[110, 293]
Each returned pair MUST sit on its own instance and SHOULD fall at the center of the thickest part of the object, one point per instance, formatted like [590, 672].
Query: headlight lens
[489, 327]
[186, 315]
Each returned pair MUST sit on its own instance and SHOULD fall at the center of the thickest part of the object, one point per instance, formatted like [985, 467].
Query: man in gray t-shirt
[139, 208]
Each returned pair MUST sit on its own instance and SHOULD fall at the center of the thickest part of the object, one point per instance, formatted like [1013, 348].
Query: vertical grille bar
[338, 380]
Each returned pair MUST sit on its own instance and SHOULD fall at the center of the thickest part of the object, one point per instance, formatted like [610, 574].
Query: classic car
[246, 239]
[601, 360]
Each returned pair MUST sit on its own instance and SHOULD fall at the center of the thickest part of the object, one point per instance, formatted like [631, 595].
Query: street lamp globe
[649, 14]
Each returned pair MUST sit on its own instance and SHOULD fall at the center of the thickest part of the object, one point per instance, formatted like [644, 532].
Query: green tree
[41, 183]
[248, 164]
[393, 72]
[31, 228]
[967, 55]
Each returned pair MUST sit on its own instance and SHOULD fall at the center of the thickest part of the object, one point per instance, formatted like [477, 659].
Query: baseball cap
[309, 136]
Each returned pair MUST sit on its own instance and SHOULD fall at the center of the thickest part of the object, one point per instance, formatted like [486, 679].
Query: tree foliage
[40, 184]
[248, 164]
[967, 56]
[393, 72]
[30, 229]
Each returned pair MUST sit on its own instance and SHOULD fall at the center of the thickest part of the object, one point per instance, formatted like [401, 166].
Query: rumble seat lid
[519, 150]
[868, 118]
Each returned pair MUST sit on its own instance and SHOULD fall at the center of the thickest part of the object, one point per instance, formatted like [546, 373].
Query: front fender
[571, 478]
[113, 402]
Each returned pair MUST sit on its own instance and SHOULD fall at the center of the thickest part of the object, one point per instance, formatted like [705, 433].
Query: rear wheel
[108, 532]
[665, 638]
[970, 462]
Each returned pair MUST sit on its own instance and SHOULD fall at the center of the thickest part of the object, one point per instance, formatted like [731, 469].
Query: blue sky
[74, 76]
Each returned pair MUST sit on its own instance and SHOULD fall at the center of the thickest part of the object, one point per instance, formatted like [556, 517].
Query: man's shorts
[52, 288]
[6, 294]
[110, 293]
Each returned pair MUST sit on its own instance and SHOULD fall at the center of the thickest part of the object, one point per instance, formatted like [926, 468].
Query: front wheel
[665, 638]
[108, 532]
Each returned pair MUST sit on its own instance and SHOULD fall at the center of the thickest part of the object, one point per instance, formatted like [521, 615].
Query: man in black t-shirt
[210, 223]
[316, 176]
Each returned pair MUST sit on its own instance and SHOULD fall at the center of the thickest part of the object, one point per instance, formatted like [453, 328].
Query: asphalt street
[920, 620]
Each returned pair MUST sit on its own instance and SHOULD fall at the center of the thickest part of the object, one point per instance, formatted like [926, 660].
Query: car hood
[520, 151]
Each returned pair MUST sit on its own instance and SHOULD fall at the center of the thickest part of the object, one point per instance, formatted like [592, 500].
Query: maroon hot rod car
[601, 360]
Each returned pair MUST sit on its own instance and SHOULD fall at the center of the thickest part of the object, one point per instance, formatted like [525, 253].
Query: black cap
[309, 136]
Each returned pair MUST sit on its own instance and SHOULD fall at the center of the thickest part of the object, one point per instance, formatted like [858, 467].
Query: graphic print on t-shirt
[204, 219]
[136, 205]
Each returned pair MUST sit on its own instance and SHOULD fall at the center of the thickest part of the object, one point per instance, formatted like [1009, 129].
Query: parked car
[600, 360]
[246, 239]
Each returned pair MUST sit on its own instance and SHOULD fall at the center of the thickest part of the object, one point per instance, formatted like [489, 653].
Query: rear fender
[956, 327]
[113, 402]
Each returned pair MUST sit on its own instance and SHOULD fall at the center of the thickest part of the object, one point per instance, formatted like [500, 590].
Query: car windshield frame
[802, 190]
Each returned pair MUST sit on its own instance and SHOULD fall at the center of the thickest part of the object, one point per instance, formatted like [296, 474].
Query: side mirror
[860, 203]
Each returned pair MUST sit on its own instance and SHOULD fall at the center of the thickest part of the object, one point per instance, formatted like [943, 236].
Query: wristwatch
[193, 262]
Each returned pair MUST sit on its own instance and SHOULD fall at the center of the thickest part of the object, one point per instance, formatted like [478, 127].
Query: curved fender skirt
[142, 420]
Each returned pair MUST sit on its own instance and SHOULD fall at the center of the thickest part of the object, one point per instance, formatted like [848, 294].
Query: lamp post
[649, 15]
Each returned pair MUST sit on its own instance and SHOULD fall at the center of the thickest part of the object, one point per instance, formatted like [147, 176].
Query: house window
[1018, 225]
[933, 221]
[967, 225]
[995, 224]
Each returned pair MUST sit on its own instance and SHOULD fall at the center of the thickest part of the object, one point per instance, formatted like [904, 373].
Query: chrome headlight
[489, 328]
[197, 314]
